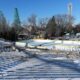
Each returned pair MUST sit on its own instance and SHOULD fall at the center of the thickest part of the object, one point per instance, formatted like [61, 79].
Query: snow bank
[20, 44]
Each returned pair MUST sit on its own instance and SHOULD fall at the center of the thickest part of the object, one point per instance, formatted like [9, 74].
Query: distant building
[24, 34]
[78, 35]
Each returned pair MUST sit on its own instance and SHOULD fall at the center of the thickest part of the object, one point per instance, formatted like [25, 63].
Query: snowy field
[45, 65]
[65, 45]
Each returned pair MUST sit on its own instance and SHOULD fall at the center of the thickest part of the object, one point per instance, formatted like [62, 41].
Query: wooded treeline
[56, 26]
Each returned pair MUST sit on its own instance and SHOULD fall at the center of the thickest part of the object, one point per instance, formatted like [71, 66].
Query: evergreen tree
[3, 26]
[3, 23]
[51, 27]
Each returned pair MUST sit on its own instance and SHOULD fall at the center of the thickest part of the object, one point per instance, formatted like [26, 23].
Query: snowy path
[35, 69]
[40, 70]
[42, 67]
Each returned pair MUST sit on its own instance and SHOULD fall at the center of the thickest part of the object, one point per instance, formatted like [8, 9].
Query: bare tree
[64, 22]
[32, 20]
[43, 22]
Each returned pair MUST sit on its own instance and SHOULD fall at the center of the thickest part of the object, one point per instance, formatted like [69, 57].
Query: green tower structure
[16, 22]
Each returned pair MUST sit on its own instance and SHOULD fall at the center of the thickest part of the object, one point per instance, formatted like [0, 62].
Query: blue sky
[42, 8]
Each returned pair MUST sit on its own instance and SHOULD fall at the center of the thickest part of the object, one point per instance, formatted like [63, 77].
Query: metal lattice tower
[70, 11]
[16, 18]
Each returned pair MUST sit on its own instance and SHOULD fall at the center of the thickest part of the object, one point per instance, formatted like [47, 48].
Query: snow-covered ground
[8, 57]
[45, 65]
[65, 45]
[35, 69]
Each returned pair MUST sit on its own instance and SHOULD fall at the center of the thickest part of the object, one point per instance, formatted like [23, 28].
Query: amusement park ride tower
[70, 11]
